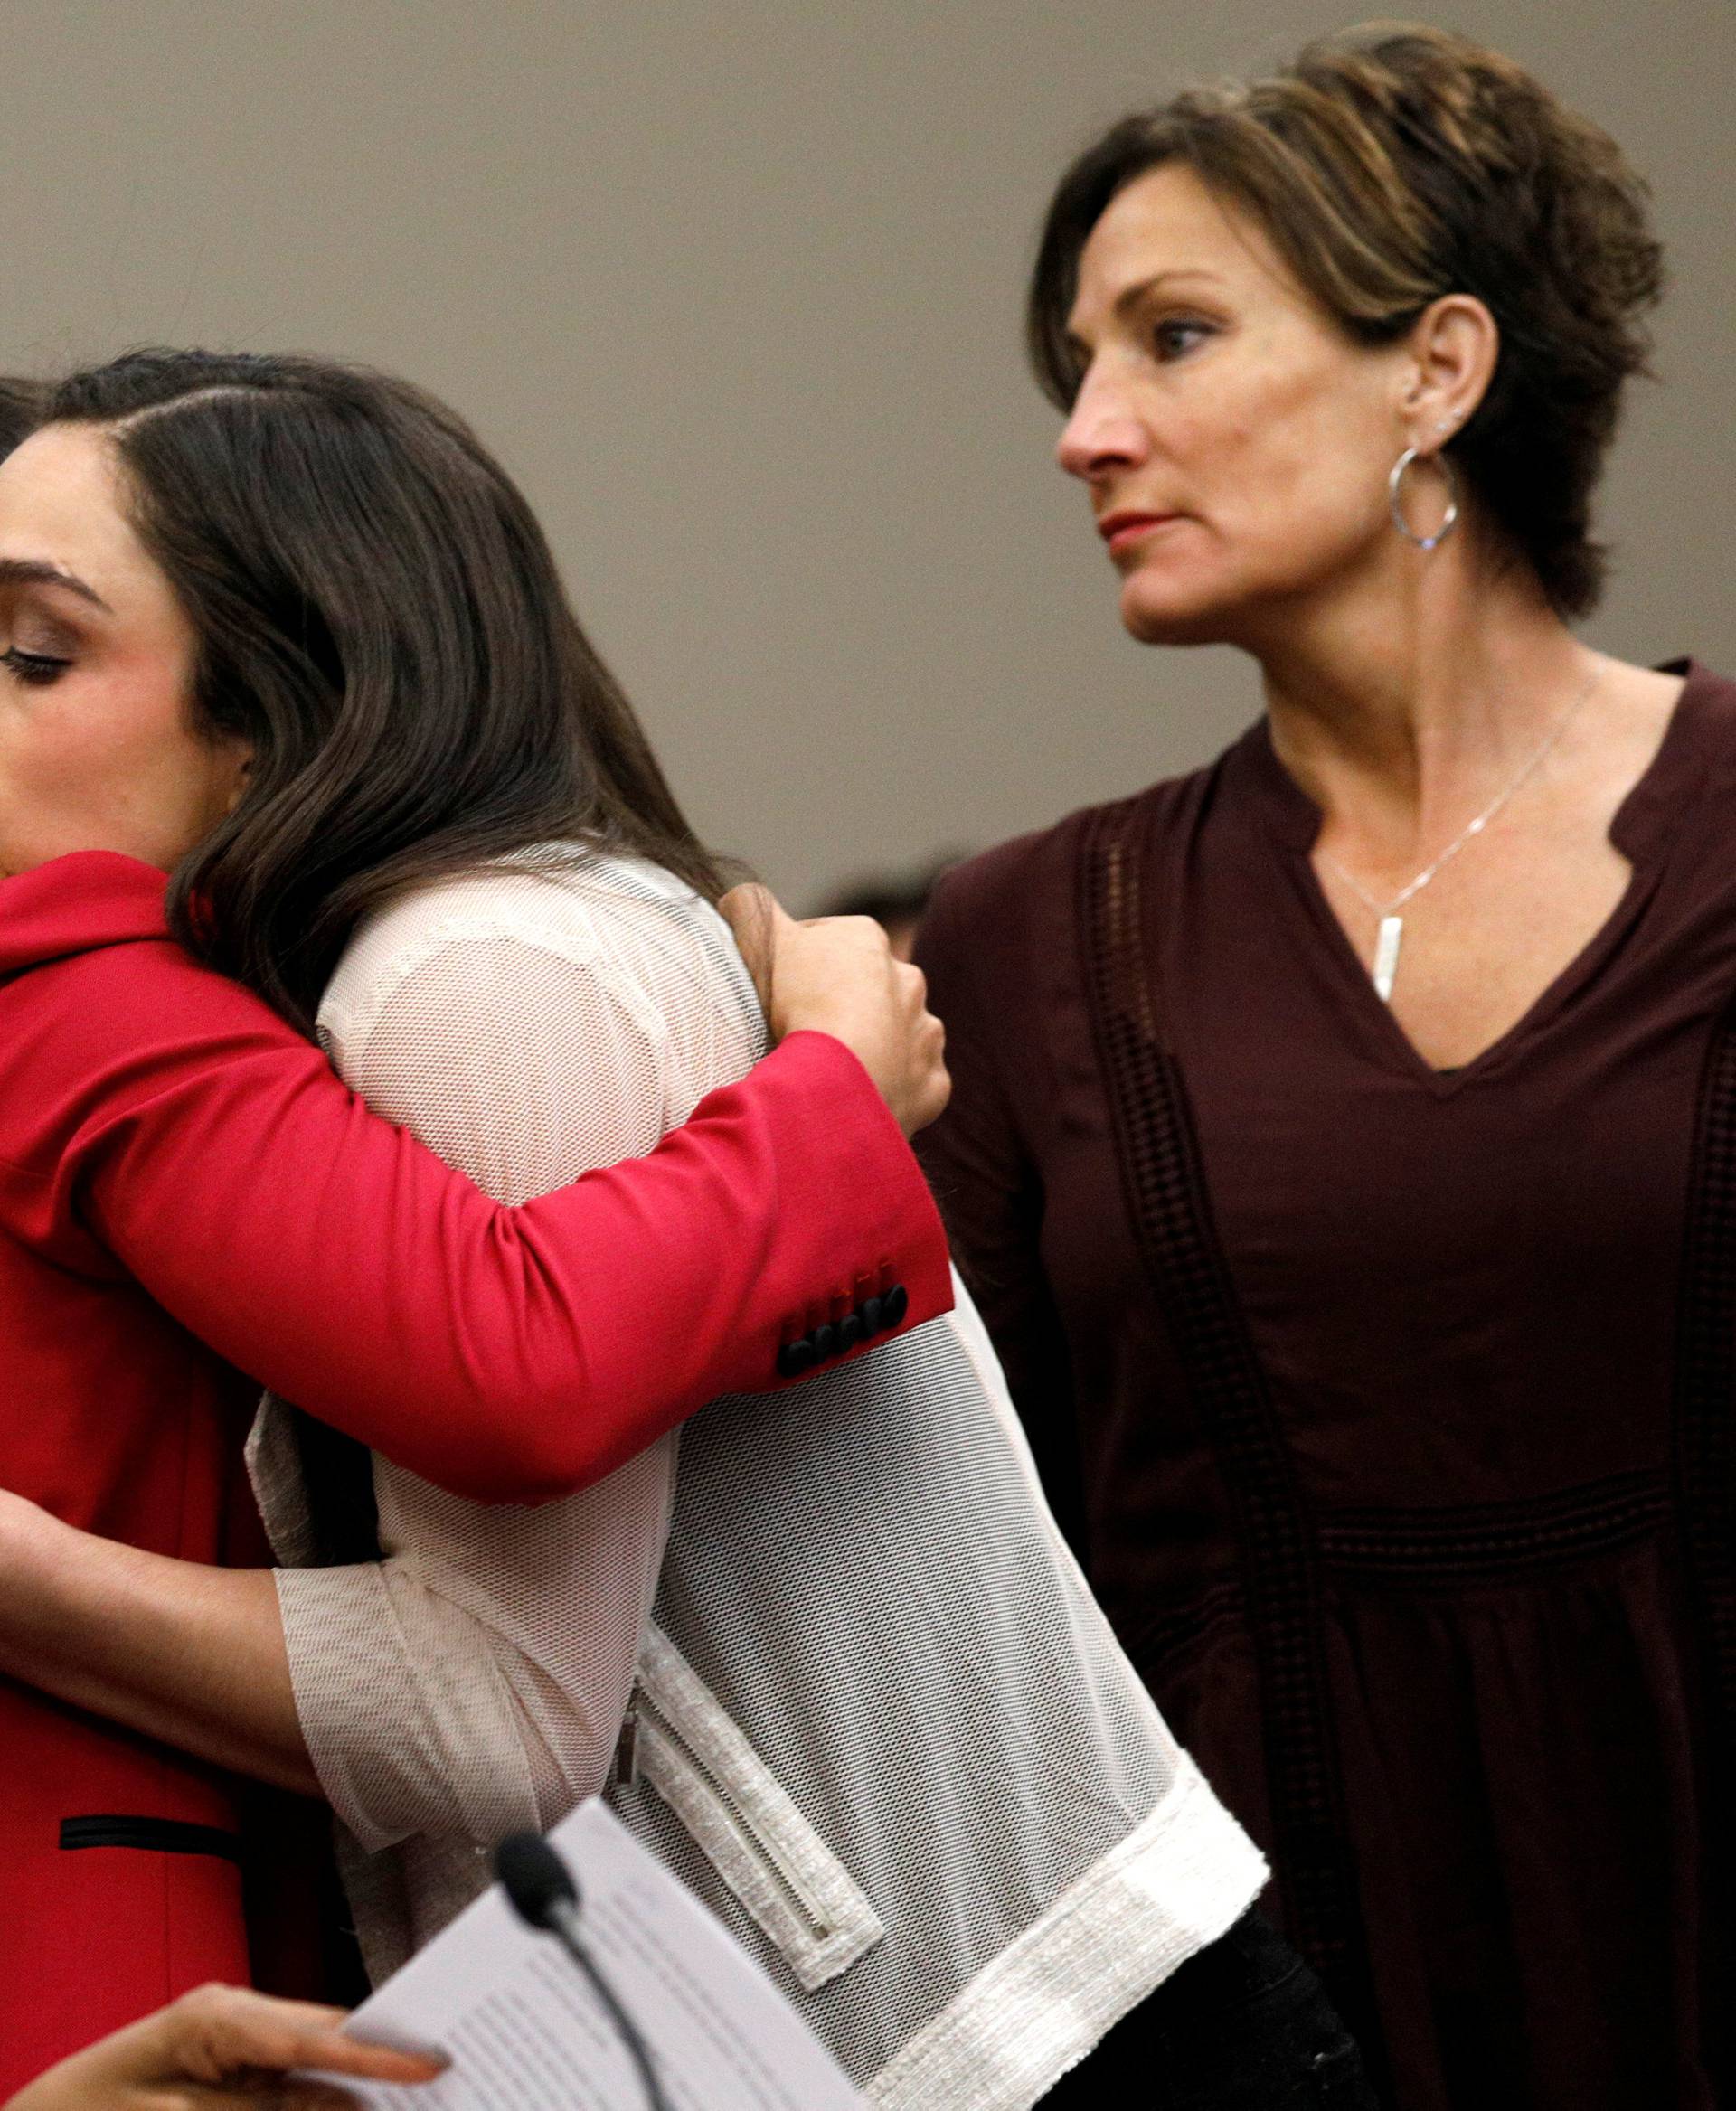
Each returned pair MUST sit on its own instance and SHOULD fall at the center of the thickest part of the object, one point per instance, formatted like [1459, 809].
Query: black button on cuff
[838, 1337]
[796, 1357]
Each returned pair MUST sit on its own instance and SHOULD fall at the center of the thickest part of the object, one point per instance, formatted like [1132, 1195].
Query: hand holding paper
[526, 2031]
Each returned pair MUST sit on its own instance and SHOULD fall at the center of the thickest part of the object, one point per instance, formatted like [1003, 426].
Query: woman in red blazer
[191, 1205]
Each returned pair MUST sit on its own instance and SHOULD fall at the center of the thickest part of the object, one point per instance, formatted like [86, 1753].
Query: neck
[1403, 709]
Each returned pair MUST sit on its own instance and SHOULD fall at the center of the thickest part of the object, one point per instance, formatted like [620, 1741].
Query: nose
[1102, 433]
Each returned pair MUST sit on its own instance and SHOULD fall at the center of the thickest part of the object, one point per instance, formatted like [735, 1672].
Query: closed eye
[37, 669]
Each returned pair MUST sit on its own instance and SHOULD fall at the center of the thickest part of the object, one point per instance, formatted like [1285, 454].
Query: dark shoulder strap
[1170, 1216]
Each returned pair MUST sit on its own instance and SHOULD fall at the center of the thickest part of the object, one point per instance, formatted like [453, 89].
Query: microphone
[538, 1882]
[540, 1889]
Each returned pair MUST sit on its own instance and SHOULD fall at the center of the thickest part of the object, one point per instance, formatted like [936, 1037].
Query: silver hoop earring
[1395, 500]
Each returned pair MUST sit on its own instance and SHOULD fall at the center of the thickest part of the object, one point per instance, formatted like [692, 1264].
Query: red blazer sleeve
[158, 1114]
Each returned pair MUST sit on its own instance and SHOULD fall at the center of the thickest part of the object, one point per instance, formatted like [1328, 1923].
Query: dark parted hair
[21, 410]
[1391, 166]
[379, 615]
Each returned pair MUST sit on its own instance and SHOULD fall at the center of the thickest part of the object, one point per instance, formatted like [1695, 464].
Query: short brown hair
[1389, 167]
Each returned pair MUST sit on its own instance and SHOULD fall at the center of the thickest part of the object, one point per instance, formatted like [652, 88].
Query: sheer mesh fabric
[964, 1732]
[883, 1730]
[528, 1027]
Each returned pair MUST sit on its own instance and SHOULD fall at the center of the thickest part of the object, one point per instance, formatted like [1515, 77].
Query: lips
[1121, 530]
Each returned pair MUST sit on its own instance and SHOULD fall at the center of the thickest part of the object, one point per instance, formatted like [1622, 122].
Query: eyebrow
[31, 571]
[1130, 297]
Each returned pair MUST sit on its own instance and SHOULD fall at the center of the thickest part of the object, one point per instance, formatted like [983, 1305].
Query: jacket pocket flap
[740, 1814]
[151, 1836]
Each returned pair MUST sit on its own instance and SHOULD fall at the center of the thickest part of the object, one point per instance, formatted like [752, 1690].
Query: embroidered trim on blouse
[1279, 1559]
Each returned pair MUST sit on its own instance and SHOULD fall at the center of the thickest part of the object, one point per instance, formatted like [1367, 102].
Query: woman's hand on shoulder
[221, 2049]
[838, 975]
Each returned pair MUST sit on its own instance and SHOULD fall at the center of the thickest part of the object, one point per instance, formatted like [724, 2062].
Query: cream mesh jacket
[825, 1653]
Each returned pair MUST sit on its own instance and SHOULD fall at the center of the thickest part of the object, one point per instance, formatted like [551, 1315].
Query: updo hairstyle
[1389, 167]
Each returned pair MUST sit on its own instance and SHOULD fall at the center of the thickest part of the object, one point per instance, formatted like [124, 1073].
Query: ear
[1452, 349]
[235, 768]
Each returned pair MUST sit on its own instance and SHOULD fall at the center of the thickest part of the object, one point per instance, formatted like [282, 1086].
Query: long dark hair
[379, 615]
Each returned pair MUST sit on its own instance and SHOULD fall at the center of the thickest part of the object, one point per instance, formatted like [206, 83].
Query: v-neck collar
[1639, 830]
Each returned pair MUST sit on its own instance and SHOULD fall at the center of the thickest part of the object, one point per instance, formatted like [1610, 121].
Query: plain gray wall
[735, 289]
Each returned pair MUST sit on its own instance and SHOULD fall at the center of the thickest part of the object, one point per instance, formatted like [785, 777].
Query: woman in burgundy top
[1343, 1138]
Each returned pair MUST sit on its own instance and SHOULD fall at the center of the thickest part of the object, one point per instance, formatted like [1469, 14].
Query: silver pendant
[1386, 956]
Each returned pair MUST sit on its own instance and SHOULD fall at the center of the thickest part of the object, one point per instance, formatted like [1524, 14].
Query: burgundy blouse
[1391, 1409]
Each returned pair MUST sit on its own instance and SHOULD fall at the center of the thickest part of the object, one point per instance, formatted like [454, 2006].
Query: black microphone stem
[562, 1921]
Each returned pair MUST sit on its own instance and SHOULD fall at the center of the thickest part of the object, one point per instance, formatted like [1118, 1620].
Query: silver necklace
[1391, 937]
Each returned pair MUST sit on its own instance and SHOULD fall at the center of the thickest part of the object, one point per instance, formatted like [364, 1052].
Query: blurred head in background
[895, 901]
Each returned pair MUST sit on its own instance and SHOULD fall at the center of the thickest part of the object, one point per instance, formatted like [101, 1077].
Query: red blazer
[189, 1194]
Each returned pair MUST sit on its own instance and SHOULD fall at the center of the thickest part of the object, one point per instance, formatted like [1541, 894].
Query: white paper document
[525, 2033]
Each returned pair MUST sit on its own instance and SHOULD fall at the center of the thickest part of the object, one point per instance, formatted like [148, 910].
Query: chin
[1165, 617]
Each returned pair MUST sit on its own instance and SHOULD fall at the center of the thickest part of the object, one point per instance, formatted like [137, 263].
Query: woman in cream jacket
[832, 1663]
